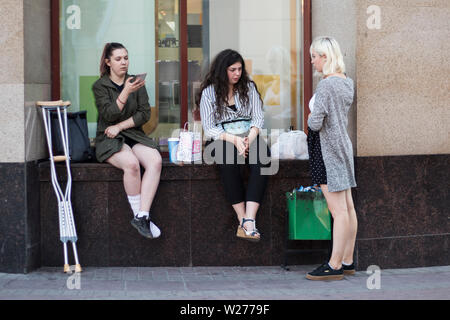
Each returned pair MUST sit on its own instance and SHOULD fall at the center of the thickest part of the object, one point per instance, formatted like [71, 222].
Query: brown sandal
[252, 235]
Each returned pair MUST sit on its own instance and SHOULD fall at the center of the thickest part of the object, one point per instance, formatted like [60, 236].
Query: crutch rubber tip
[67, 268]
[78, 268]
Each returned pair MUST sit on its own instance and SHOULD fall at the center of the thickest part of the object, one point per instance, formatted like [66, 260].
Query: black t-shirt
[233, 107]
[120, 88]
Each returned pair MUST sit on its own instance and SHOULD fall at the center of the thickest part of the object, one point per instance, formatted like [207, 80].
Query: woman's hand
[247, 146]
[112, 131]
[131, 87]
[241, 145]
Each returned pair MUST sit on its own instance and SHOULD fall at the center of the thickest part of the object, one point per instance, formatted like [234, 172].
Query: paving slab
[223, 283]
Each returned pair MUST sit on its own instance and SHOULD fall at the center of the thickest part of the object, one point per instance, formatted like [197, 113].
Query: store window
[174, 41]
[169, 64]
[267, 33]
[85, 27]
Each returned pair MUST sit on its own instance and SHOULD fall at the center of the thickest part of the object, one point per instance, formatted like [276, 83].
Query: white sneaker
[154, 230]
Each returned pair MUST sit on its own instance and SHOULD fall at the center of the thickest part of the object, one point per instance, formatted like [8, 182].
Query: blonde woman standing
[331, 154]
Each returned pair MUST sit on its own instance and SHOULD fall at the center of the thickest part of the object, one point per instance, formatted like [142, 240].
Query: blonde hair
[330, 47]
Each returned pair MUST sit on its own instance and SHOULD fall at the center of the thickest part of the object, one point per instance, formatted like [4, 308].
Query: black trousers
[230, 163]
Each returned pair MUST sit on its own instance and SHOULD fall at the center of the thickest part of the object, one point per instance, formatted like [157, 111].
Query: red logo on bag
[196, 146]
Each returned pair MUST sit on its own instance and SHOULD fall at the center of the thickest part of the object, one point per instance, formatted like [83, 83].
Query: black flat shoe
[143, 226]
[325, 272]
[349, 270]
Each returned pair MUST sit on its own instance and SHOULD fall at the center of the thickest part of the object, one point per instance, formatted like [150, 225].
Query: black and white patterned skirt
[316, 164]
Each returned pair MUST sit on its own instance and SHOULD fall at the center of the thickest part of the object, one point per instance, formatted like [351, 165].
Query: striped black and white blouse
[212, 126]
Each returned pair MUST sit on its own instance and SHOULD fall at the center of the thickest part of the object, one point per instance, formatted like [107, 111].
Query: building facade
[396, 51]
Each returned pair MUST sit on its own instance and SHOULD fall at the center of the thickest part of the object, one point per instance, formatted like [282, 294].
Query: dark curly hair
[218, 77]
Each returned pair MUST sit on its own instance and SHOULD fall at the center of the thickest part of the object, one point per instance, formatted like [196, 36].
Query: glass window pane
[168, 71]
[198, 47]
[267, 33]
[85, 27]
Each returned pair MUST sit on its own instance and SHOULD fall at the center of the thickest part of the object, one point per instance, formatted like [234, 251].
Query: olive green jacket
[109, 114]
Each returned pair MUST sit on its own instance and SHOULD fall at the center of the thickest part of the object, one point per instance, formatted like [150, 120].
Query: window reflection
[167, 71]
[267, 33]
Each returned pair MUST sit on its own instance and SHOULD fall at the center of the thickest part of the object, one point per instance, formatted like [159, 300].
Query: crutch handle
[59, 158]
[58, 103]
[49, 103]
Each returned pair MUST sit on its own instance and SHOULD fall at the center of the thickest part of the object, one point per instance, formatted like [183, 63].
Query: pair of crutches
[67, 229]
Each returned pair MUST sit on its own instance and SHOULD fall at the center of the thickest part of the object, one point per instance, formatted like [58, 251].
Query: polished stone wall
[401, 203]
[198, 225]
[403, 206]
[20, 227]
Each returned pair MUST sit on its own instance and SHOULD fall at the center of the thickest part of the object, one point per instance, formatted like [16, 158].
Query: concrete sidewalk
[223, 283]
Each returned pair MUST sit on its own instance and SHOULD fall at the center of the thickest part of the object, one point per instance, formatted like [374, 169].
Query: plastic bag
[291, 145]
[184, 151]
[190, 145]
[196, 144]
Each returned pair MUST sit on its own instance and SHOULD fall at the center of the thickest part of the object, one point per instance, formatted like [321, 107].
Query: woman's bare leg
[151, 160]
[127, 161]
[353, 227]
[239, 208]
[337, 205]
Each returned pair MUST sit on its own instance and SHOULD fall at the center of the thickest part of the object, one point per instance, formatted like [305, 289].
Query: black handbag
[80, 149]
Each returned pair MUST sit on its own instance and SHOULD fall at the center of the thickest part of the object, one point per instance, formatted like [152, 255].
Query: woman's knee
[336, 203]
[349, 201]
[153, 161]
[157, 161]
[132, 166]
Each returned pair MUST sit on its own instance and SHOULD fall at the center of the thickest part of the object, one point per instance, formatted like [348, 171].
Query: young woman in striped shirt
[232, 117]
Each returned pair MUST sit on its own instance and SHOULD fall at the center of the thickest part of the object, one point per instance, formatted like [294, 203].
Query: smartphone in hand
[140, 77]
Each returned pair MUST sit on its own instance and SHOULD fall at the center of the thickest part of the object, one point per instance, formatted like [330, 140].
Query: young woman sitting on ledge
[123, 108]
[231, 112]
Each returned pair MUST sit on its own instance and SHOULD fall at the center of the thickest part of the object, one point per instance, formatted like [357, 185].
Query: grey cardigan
[333, 99]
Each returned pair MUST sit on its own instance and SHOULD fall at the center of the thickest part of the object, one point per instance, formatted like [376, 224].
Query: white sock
[332, 266]
[135, 203]
[346, 264]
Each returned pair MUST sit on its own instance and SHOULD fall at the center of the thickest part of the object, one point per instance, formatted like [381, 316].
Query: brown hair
[107, 53]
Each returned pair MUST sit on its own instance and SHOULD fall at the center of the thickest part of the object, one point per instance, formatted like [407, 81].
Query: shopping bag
[309, 217]
[196, 144]
[184, 151]
[80, 149]
[291, 145]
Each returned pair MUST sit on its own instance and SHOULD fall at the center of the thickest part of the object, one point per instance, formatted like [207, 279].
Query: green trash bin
[309, 217]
